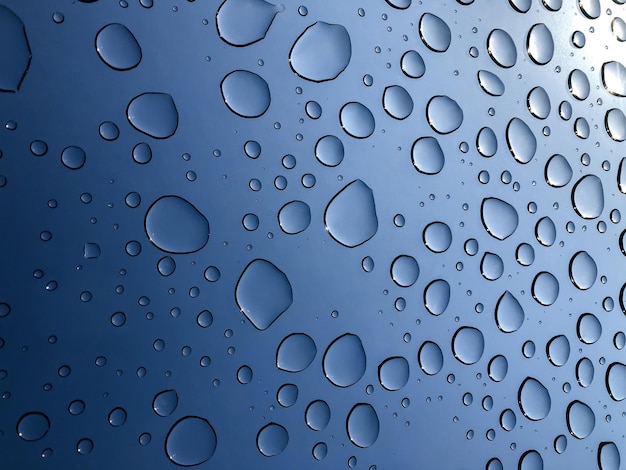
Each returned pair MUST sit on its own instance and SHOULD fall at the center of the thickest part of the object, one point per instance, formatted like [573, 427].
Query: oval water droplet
[501, 48]
[558, 350]
[245, 93]
[588, 197]
[588, 328]
[427, 156]
[578, 83]
[350, 217]
[616, 381]
[538, 102]
[321, 52]
[153, 114]
[190, 441]
[545, 231]
[244, 22]
[434, 32]
[539, 44]
[509, 314]
[437, 237]
[615, 124]
[584, 372]
[486, 142]
[363, 425]
[294, 217]
[317, 415]
[33, 426]
[545, 288]
[444, 114]
[521, 140]
[356, 120]
[534, 399]
[404, 270]
[295, 352]
[558, 172]
[490, 83]
[614, 78]
[15, 54]
[491, 266]
[272, 439]
[430, 358]
[263, 293]
[393, 373]
[118, 47]
[437, 296]
[412, 64]
[580, 419]
[165, 402]
[344, 361]
[397, 102]
[174, 225]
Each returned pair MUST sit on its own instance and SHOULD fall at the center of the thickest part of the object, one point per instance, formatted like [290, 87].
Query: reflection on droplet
[427, 156]
[363, 425]
[501, 48]
[263, 293]
[165, 402]
[545, 288]
[614, 78]
[190, 441]
[321, 52]
[490, 83]
[294, 217]
[444, 114]
[588, 197]
[468, 345]
[117, 47]
[357, 120]
[412, 64]
[437, 296]
[486, 142]
[344, 360]
[317, 415]
[588, 328]
[534, 399]
[329, 150]
[558, 350]
[295, 352]
[272, 439]
[615, 124]
[583, 270]
[509, 314]
[539, 44]
[33, 426]
[174, 225]
[404, 270]
[434, 32]
[350, 216]
[616, 381]
[15, 54]
[558, 171]
[521, 140]
[538, 102]
[393, 373]
[437, 237]
[397, 102]
[245, 93]
[244, 22]
[580, 419]
[153, 114]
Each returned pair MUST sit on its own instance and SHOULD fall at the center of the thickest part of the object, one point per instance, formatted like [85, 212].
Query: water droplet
[263, 293]
[165, 402]
[294, 217]
[490, 83]
[468, 345]
[317, 415]
[174, 225]
[444, 114]
[393, 373]
[295, 352]
[558, 350]
[539, 44]
[363, 425]
[545, 231]
[437, 237]
[580, 419]
[190, 441]
[321, 52]
[498, 368]
[578, 83]
[615, 124]
[73, 157]
[34, 425]
[534, 399]
[588, 197]
[608, 456]
[509, 314]
[437, 296]
[487, 142]
[558, 171]
[397, 102]
[245, 93]
[117, 47]
[412, 64]
[350, 217]
[538, 102]
[15, 55]
[244, 22]
[272, 439]
[356, 120]
[427, 156]
[521, 140]
[434, 32]
[501, 48]
[590, 8]
[344, 360]
[404, 270]
[614, 78]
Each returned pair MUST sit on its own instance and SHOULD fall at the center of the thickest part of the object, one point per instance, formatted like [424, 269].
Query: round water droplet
[468, 345]
[356, 120]
[404, 270]
[244, 22]
[534, 399]
[614, 78]
[538, 102]
[545, 288]
[363, 425]
[294, 217]
[117, 47]
[487, 142]
[521, 140]
[444, 115]
[558, 350]
[580, 419]
[272, 439]
[501, 48]
[321, 52]
[558, 171]
[190, 441]
[434, 32]
[490, 83]
[245, 93]
[427, 156]
[498, 368]
[437, 296]
[73, 157]
[295, 352]
[578, 83]
[33, 426]
[317, 415]
[412, 64]
[430, 358]
[329, 150]
[344, 360]
[165, 402]
[509, 314]
[263, 293]
[437, 237]
[393, 373]
[588, 328]
[174, 225]
[583, 270]
[350, 217]
[491, 266]
[499, 218]
[590, 8]
[153, 114]
[539, 44]
[397, 102]
[545, 231]
[615, 124]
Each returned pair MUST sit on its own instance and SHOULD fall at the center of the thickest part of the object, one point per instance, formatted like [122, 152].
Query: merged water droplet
[393, 373]
[263, 293]
[614, 78]
[15, 54]
[490, 83]
[616, 381]
[174, 225]
[615, 124]
[118, 47]
[33, 426]
[244, 22]
[521, 140]
[153, 114]
[534, 399]
[444, 115]
[468, 345]
[558, 172]
[501, 48]
[344, 360]
[350, 217]
[404, 270]
[539, 44]
[509, 314]
[165, 402]
[580, 419]
[412, 64]
[190, 441]
[357, 120]
[321, 52]
[437, 296]
[434, 32]
[363, 425]
[558, 350]
[427, 155]
[295, 352]
[397, 102]
[272, 439]
[294, 217]
[317, 415]
[588, 197]
[437, 237]
[246, 93]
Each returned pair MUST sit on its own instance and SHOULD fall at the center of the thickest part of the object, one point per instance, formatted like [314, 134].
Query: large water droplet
[174, 225]
[521, 140]
[153, 114]
[393, 373]
[588, 197]
[614, 78]
[545, 288]
[486, 142]
[558, 350]
[321, 52]
[117, 47]
[582, 270]
[434, 32]
[294, 217]
[437, 296]
[509, 313]
[263, 293]
[33, 426]
[404, 270]
[534, 399]
[430, 358]
[244, 22]
[329, 150]
[190, 441]
[538, 102]
[615, 124]
[295, 352]
[539, 44]
[272, 439]
[501, 48]
[350, 216]
[15, 52]
[580, 419]
[245, 93]
[357, 120]
[427, 156]
[437, 237]
[344, 360]
[499, 218]
[397, 102]
[616, 381]
[490, 83]
[412, 64]
[165, 402]
[558, 172]
[468, 345]
[317, 415]
[362, 425]
[444, 114]
[608, 456]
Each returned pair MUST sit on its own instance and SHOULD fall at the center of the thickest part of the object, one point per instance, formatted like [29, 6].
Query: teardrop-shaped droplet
[615, 124]
[427, 156]
[412, 64]
[509, 313]
[545, 288]
[538, 102]
[580, 419]
[357, 120]
[434, 32]
[490, 83]
[350, 216]
[499, 218]
[397, 102]
[244, 22]
[588, 197]
[393, 373]
[539, 44]
[521, 140]
[118, 47]
[153, 114]
[468, 345]
[437, 296]
[444, 115]
[294, 217]
[614, 78]
[558, 172]
[344, 361]
[295, 352]
[534, 399]
[245, 93]
[583, 270]
[15, 52]
[501, 48]
[190, 441]
[363, 425]
[430, 358]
